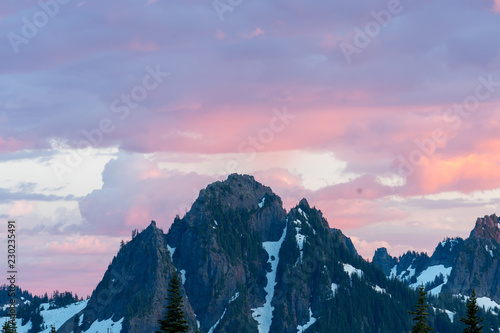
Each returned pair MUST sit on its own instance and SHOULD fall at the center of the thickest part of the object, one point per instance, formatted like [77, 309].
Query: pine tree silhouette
[472, 320]
[421, 314]
[174, 320]
[6, 328]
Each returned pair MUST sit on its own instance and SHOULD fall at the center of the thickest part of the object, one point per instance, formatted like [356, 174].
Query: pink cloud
[219, 34]
[330, 41]
[255, 33]
[8, 145]
[224, 86]
[65, 263]
[79, 245]
[137, 45]
[466, 173]
[21, 208]
[496, 6]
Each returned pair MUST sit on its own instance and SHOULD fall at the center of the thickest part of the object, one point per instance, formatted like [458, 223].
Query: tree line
[174, 319]
[472, 320]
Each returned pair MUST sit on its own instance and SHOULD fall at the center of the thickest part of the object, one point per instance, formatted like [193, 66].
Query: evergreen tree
[174, 320]
[6, 327]
[472, 320]
[420, 314]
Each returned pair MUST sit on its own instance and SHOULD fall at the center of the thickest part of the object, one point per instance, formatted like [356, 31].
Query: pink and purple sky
[383, 114]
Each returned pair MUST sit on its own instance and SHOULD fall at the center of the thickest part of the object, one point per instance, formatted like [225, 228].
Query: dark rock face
[474, 262]
[229, 248]
[307, 272]
[219, 245]
[487, 227]
[134, 287]
[382, 259]
[477, 264]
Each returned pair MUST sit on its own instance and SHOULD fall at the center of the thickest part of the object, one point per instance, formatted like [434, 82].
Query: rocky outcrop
[478, 262]
[134, 287]
[382, 259]
[471, 263]
[487, 228]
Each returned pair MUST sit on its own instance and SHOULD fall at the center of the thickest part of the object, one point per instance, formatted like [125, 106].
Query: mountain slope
[247, 265]
[456, 266]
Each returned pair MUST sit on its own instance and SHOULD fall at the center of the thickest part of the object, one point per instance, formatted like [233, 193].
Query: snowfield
[349, 269]
[312, 320]
[105, 326]
[57, 317]
[264, 314]
[430, 274]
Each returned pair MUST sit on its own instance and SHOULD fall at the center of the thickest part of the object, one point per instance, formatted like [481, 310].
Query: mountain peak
[238, 191]
[382, 259]
[304, 203]
[487, 227]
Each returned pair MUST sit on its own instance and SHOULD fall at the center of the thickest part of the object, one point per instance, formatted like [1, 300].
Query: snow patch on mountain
[487, 303]
[172, 251]
[334, 288]
[430, 274]
[264, 314]
[407, 274]
[451, 241]
[450, 314]
[437, 290]
[484, 301]
[379, 289]
[349, 269]
[299, 238]
[263, 201]
[303, 214]
[312, 320]
[211, 330]
[104, 326]
[394, 272]
[55, 317]
[234, 298]
[80, 320]
[183, 276]
[489, 251]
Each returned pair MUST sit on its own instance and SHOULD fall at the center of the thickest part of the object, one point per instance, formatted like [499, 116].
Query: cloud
[352, 120]
[367, 249]
[293, 61]
[496, 7]
[133, 193]
[7, 195]
[255, 33]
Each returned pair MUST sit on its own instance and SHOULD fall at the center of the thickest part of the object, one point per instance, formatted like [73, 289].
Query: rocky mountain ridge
[248, 265]
[456, 265]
